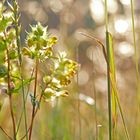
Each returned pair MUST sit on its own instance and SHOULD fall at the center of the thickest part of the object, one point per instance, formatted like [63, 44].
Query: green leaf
[47, 79]
[52, 41]
[13, 54]
[115, 98]
[3, 71]
[3, 44]
[5, 22]
[33, 100]
[10, 6]
[1, 105]
[26, 51]
[2, 57]
[19, 85]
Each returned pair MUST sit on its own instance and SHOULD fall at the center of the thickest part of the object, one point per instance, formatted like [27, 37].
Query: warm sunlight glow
[86, 99]
[121, 25]
[126, 49]
[83, 77]
[101, 84]
[56, 7]
[97, 10]
[112, 6]
[125, 2]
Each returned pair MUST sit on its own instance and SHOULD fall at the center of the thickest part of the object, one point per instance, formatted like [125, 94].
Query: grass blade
[114, 87]
[136, 58]
[108, 84]
[111, 78]
[108, 67]
[134, 42]
[113, 100]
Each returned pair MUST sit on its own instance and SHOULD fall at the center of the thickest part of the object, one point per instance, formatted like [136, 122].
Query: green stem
[34, 114]
[10, 96]
[16, 20]
[112, 83]
[18, 125]
[109, 91]
[108, 77]
[136, 57]
[134, 41]
[119, 105]
[106, 16]
[122, 116]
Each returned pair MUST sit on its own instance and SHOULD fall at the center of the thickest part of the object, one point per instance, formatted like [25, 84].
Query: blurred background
[75, 117]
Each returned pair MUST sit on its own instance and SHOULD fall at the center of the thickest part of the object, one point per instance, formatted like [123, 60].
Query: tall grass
[134, 44]
[112, 71]
[136, 59]
[112, 88]
[108, 67]
[109, 87]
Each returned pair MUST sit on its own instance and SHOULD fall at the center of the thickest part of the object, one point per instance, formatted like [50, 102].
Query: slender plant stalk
[109, 91]
[136, 57]
[108, 78]
[10, 138]
[106, 16]
[96, 121]
[134, 42]
[40, 99]
[119, 105]
[35, 89]
[12, 115]
[79, 116]
[10, 96]
[112, 81]
[113, 97]
[18, 125]
[16, 20]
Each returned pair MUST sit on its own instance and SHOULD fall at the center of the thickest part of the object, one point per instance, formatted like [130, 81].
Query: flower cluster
[40, 46]
[63, 71]
[39, 43]
[8, 48]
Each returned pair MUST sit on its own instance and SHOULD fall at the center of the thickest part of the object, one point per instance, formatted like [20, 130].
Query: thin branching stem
[35, 91]
[10, 96]
[98, 42]
[16, 20]
[10, 138]
[18, 125]
[40, 99]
